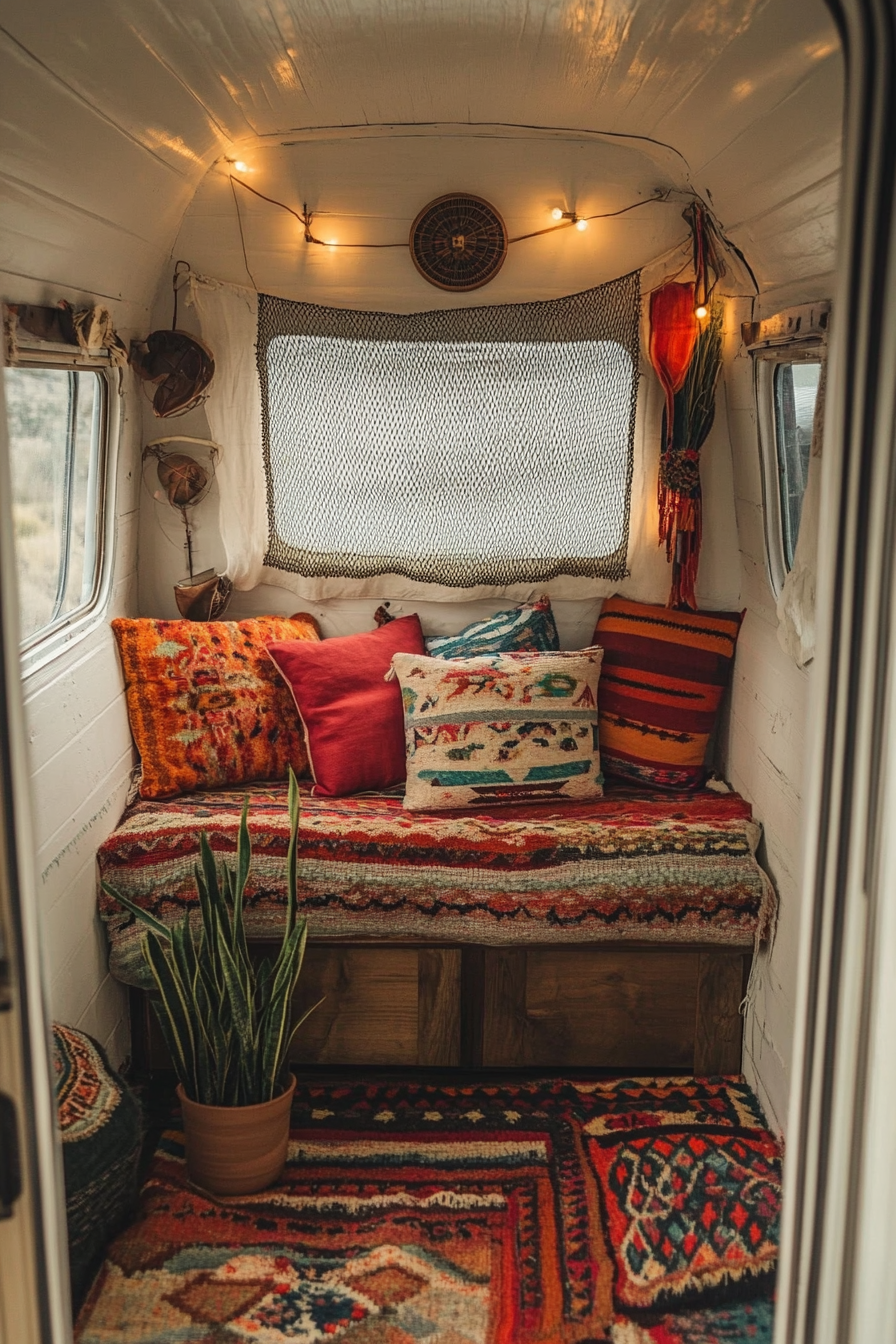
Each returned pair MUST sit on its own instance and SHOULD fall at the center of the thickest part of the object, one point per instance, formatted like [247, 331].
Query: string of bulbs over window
[709, 243]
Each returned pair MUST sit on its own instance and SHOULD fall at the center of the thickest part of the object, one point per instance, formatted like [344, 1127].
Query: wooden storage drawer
[608, 1006]
[383, 1006]
[612, 1007]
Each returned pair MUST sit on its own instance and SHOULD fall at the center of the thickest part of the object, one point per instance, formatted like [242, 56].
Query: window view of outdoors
[54, 430]
[796, 390]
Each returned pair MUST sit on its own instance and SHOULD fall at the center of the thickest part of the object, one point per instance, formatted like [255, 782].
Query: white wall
[763, 744]
[82, 755]
[87, 213]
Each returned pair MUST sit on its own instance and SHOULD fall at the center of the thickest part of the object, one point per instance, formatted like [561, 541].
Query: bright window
[795, 392]
[461, 447]
[787, 381]
[455, 463]
[56, 419]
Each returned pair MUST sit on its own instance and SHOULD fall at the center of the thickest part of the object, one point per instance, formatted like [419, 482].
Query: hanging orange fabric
[673, 335]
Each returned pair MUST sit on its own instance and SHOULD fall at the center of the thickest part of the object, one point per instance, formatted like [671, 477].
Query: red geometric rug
[409, 1212]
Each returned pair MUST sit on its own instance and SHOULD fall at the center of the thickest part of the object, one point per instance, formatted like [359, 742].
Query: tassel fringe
[681, 528]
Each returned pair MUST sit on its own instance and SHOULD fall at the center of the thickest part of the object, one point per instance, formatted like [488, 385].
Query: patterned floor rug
[552, 1212]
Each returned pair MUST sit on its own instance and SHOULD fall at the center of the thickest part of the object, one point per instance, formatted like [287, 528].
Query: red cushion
[353, 720]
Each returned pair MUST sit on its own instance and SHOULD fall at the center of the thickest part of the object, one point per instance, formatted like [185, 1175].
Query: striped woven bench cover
[632, 865]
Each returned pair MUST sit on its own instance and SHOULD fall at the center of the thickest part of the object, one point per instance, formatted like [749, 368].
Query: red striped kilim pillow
[664, 674]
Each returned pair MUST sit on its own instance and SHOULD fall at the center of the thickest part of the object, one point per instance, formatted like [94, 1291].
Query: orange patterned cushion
[205, 702]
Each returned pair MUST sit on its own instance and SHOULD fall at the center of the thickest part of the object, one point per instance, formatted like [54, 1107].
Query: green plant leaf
[225, 1021]
[243, 864]
[294, 801]
[176, 1001]
[216, 896]
[280, 1007]
[143, 915]
[302, 1020]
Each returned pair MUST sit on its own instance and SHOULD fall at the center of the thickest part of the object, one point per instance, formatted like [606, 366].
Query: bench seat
[610, 934]
[634, 865]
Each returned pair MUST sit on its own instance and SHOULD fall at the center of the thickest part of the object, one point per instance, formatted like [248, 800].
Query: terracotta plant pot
[236, 1150]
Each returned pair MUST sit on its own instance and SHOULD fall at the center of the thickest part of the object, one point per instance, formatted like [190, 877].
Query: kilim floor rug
[641, 1211]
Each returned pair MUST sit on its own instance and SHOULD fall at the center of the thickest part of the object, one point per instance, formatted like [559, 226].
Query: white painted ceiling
[117, 115]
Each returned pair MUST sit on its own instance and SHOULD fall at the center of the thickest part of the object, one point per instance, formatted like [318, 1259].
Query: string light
[701, 310]
[241, 167]
[561, 218]
[570, 217]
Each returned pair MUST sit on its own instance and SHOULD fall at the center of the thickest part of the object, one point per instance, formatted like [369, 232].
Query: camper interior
[418, 464]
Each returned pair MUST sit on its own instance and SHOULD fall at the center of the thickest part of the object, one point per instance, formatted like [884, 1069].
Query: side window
[787, 381]
[795, 393]
[57, 448]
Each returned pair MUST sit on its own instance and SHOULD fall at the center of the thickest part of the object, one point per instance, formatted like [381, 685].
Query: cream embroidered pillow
[505, 728]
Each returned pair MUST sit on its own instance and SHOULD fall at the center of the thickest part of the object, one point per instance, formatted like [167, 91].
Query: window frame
[46, 644]
[766, 362]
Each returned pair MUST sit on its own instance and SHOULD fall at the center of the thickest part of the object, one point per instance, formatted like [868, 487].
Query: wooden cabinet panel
[587, 1006]
[719, 1031]
[438, 1011]
[369, 1015]
[590, 1007]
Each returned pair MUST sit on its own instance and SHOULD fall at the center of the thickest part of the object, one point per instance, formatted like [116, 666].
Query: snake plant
[226, 1020]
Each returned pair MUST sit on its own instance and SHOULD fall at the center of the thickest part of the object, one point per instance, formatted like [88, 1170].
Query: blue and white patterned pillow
[530, 629]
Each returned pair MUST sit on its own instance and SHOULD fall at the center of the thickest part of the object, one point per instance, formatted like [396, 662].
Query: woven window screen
[460, 447]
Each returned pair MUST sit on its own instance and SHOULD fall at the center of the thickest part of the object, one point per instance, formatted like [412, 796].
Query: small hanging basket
[203, 598]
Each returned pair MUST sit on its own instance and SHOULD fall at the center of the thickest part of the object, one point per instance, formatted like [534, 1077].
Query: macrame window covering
[470, 446]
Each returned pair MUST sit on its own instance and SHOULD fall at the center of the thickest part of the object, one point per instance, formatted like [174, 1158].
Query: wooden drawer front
[590, 1007]
[383, 1005]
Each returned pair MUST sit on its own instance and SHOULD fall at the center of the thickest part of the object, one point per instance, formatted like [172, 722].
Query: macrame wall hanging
[686, 353]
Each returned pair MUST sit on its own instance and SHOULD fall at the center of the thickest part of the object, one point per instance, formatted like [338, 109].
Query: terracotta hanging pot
[236, 1150]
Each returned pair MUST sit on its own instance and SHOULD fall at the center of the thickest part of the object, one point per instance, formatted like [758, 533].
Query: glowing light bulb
[241, 167]
[581, 225]
[701, 310]
[556, 213]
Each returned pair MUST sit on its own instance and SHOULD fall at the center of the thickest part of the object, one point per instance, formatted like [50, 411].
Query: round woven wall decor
[458, 242]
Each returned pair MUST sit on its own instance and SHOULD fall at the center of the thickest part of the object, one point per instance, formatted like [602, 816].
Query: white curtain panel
[796, 603]
[228, 317]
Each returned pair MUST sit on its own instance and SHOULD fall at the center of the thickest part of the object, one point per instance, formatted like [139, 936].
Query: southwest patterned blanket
[630, 865]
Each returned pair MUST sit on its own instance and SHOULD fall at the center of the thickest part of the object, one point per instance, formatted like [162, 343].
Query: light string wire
[306, 217]
[659, 197]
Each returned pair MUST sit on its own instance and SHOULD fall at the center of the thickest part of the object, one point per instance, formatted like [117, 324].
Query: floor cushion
[691, 1214]
[100, 1123]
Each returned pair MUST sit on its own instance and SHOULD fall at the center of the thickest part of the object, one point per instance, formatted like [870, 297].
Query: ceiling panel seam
[74, 289]
[828, 276]
[92, 107]
[833, 177]
[169, 69]
[105, 220]
[768, 112]
[705, 71]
